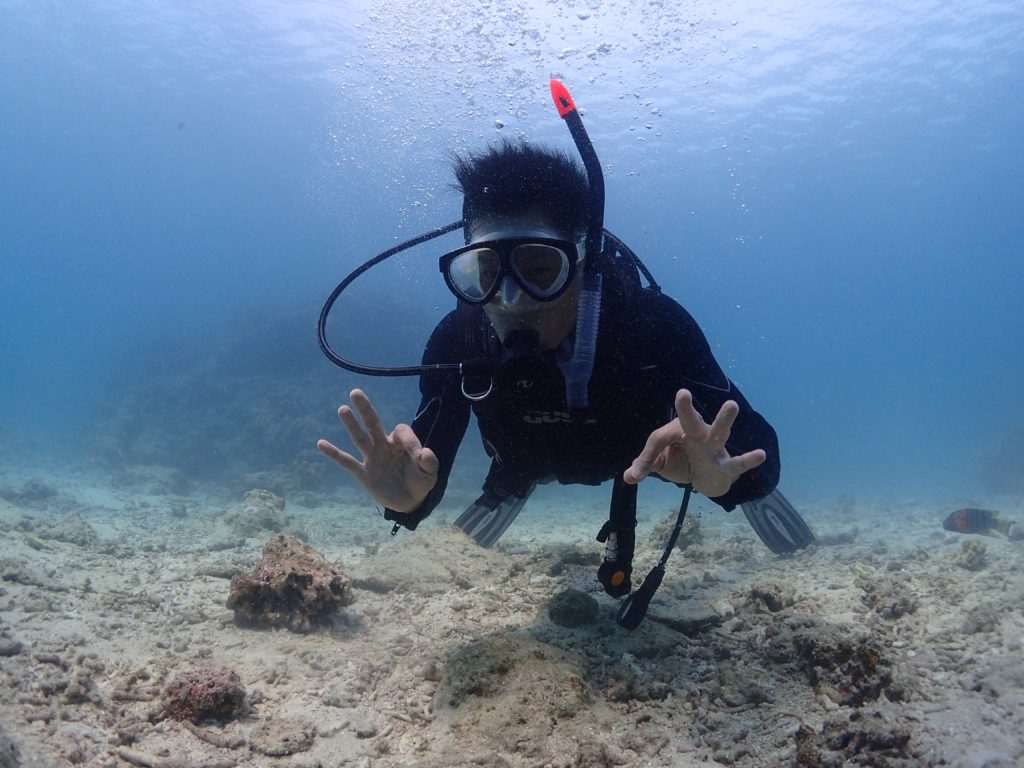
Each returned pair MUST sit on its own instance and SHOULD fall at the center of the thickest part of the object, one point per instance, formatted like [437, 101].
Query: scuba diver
[576, 372]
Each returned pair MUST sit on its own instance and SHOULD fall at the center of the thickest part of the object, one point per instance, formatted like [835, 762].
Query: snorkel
[578, 368]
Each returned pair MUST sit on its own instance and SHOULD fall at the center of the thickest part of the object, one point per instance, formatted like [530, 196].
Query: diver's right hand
[396, 470]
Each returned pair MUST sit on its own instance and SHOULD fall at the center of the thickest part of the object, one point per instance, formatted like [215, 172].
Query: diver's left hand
[689, 450]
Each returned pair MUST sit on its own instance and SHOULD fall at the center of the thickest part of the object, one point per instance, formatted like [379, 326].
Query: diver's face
[512, 309]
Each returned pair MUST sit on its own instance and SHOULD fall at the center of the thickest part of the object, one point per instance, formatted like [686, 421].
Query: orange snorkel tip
[563, 101]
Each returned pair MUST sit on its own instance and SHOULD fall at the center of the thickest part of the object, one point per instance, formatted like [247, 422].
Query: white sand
[459, 664]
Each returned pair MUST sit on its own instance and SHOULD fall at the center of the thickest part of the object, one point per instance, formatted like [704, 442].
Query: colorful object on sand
[984, 521]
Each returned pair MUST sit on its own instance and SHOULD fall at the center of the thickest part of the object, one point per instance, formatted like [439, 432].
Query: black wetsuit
[648, 348]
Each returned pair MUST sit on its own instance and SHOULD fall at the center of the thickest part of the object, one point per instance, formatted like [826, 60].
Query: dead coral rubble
[973, 555]
[872, 738]
[772, 596]
[281, 736]
[293, 586]
[850, 669]
[889, 598]
[205, 693]
[9, 754]
[516, 687]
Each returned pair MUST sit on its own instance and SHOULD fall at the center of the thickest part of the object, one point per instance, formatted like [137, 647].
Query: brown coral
[207, 692]
[850, 669]
[292, 586]
[860, 737]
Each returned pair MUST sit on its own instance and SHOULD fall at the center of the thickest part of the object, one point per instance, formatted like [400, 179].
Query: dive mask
[542, 267]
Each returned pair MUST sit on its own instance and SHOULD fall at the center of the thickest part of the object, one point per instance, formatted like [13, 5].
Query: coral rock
[261, 511]
[773, 596]
[207, 692]
[278, 737]
[10, 647]
[972, 555]
[849, 668]
[32, 493]
[689, 534]
[861, 737]
[292, 586]
[70, 529]
[889, 598]
[573, 608]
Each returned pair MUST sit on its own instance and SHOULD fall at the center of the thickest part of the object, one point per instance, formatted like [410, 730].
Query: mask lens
[542, 269]
[473, 273]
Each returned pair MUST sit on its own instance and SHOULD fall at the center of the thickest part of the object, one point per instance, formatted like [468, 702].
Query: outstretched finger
[345, 460]
[355, 430]
[692, 422]
[722, 425]
[745, 462]
[647, 461]
[371, 419]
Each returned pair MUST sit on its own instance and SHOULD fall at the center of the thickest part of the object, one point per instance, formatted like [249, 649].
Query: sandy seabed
[890, 642]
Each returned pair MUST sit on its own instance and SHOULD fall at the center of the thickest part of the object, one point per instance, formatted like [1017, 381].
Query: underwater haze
[831, 188]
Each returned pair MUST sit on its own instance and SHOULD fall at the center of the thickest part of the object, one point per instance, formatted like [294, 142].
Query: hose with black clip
[634, 607]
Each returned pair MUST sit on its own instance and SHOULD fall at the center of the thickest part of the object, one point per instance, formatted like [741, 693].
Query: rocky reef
[257, 392]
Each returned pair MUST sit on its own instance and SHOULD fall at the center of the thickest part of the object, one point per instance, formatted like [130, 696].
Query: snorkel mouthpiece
[522, 365]
[578, 368]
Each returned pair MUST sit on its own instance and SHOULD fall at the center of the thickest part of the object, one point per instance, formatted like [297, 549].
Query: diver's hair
[514, 178]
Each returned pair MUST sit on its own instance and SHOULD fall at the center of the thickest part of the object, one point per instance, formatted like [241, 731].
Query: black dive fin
[779, 525]
[487, 518]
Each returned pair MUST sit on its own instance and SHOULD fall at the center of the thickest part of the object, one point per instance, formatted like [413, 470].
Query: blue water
[831, 190]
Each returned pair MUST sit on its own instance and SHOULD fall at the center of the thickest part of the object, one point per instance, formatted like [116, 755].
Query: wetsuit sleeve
[690, 364]
[441, 419]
